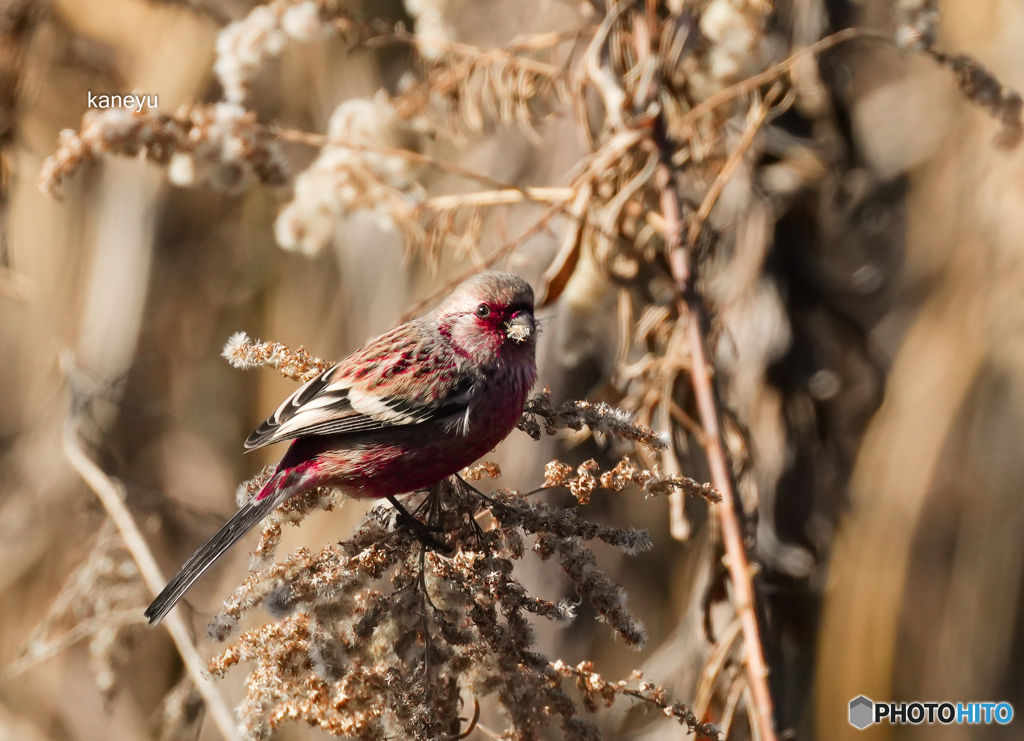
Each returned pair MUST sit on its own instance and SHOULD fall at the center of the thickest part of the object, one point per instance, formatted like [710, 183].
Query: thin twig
[739, 568]
[417, 158]
[714, 665]
[691, 306]
[496, 197]
[612, 95]
[488, 732]
[737, 689]
[691, 313]
[772, 73]
[493, 56]
[111, 493]
[507, 192]
[120, 618]
[755, 119]
[503, 251]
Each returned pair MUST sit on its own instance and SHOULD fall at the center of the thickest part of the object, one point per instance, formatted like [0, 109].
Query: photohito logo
[864, 712]
[860, 712]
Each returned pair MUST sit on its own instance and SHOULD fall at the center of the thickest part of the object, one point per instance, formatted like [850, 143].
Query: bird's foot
[422, 531]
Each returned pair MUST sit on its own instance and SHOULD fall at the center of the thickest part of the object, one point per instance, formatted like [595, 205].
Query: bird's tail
[240, 523]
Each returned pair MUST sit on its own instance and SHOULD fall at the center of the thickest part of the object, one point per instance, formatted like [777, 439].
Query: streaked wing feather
[341, 400]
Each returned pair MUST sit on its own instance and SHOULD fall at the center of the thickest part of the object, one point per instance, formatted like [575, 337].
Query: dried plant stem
[496, 197]
[737, 690]
[739, 568]
[490, 55]
[111, 494]
[776, 70]
[68, 639]
[497, 254]
[691, 308]
[488, 732]
[417, 158]
[754, 121]
[612, 94]
[546, 40]
[722, 649]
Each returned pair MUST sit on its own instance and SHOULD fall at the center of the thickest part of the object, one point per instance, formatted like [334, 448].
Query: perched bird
[416, 405]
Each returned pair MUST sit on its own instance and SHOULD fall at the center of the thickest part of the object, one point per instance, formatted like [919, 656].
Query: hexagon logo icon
[861, 712]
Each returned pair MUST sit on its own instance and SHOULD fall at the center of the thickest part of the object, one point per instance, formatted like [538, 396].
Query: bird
[414, 406]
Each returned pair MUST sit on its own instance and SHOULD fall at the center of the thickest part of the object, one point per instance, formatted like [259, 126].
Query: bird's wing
[401, 378]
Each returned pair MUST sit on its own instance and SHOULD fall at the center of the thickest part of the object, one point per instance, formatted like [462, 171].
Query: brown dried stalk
[587, 477]
[431, 223]
[225, 135]
[599, 691]
[691, 307]
[415, 158]
[499, 253]
[574, 415]
[775, 72]
[244, 352]
[111, 494]
[982, 88]
[976, 82]
[98, 602]
[473, 83]
[357, 659]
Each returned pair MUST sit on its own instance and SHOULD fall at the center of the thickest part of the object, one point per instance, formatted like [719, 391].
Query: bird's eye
[483, 310]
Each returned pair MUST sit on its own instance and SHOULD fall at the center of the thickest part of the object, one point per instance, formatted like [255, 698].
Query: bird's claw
[420, 529]
[423, 534]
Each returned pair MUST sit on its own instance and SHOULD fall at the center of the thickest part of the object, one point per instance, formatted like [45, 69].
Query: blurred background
[872, 296]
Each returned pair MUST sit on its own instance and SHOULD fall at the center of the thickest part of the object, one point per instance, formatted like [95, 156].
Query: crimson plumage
[415, 405]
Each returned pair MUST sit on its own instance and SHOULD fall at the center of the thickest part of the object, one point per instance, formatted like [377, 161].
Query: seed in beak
[520, 328]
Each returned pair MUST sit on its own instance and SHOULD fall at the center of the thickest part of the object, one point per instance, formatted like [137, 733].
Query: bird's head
[489, 318]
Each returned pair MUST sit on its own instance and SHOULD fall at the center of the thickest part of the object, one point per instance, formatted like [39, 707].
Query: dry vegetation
[704, 193]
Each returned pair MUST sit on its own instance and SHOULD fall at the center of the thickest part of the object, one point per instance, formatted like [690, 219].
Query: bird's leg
[490, 501]
[476, 491]
[422, 531]
[424, 619]
[434, 514]
[477, 530]
[421, 506]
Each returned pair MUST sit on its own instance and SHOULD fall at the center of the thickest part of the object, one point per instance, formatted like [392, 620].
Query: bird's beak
[521, 328]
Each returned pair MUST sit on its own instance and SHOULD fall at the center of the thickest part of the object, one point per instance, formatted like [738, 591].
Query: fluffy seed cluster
[291, 512]
[245, 45]
[227, 151]
[379, 637]
[575, 415]
[220, 145]
[244, 352]
[248, 489]
[478, 471]
[397, 631]
[343, 178]
[431, 26]
[587, 477]
[113, 131]
[738, 44]
[598, 691]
